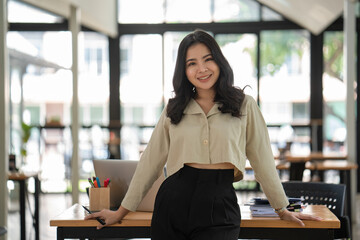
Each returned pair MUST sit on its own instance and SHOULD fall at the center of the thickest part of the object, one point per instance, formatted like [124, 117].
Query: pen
[106, 182]
[98, 219]
[98, 182]
[91, 183]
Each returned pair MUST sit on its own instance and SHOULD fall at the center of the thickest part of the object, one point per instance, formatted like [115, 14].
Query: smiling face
[201, 69]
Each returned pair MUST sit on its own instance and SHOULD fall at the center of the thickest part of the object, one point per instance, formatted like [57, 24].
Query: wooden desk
[22, 178]
[340, 165]
[71, 224]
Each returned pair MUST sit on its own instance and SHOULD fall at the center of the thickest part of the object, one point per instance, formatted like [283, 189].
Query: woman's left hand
[297, 217]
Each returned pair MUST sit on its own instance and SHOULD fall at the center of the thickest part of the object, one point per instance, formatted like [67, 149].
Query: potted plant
[26, 133]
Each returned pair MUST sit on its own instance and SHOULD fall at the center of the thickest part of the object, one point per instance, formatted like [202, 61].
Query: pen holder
[99, 198]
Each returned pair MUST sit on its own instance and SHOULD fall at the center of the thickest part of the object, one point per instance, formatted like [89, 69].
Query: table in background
[297, 162]
[71, 224]
[344, 167]
[22, 178]
[314, 156]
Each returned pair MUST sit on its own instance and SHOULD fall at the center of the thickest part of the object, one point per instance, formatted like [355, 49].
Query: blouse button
[206, 141]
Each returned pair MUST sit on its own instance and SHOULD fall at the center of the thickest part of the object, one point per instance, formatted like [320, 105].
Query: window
[240, 51]
[334, 92]
[285, 76]
[236, 10]
[284, 87]
[141, 89]
[171, 45]
[270, 15]
[141, 11]
[186, 11]
[39, 66]
[42, 84]
[300, 112]
[94, 77]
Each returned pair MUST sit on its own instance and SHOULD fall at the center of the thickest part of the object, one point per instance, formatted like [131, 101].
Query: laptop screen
[120, 173]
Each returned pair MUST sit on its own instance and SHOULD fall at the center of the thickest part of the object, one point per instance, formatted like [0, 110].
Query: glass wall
[187, 11]
[141, 90]
[284, 87]
[334, 93]
[236, 10]
[94, 135]
[41, 92]
[171, 44]
[41, 98]
[281, 84]
[241, 52]
[179, 11]
[149, 12]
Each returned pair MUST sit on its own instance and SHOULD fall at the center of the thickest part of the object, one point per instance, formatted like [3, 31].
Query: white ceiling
[314, 15]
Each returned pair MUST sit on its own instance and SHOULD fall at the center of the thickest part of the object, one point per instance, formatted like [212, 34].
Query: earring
[193, 89]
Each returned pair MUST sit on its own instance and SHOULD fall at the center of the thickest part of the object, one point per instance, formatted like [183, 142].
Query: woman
[204, 136]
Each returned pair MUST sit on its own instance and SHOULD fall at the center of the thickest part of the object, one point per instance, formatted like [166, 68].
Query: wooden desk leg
[22, 209]
[36, 213]
[297, 171]
[60, 233]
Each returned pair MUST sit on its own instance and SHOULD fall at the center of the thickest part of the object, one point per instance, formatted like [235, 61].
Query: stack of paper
[262, 211]
[260, 207]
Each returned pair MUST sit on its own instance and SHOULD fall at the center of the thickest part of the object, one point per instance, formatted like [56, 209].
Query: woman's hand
[297, 217]
[108, 216]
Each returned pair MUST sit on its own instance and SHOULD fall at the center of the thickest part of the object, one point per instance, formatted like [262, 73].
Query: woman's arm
[151, 164]
[109, 216]
[260, 155]
[297, 217]
[258, 151]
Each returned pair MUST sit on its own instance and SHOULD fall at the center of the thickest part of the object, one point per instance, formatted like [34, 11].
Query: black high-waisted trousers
[196, 204]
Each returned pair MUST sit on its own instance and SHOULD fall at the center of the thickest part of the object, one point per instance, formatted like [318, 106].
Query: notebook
[120, 173]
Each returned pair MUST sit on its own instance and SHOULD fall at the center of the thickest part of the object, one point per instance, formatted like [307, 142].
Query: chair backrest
[318, 193]
[2, 231]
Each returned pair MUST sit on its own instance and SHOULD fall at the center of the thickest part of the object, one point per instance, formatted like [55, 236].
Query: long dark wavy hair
[229, 97]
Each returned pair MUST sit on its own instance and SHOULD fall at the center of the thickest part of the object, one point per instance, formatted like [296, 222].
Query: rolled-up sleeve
[150, 165]
[261, 158]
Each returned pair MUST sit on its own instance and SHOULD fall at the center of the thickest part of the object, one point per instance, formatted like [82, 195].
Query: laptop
[120, 173]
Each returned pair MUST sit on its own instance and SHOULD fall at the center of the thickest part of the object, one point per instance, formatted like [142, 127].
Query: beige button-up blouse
[212, 138]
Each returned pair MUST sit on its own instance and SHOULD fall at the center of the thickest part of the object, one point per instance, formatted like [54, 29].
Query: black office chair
[319, 193]
[2, 231]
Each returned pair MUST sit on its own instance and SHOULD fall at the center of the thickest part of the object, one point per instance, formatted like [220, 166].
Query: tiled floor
[53, 204]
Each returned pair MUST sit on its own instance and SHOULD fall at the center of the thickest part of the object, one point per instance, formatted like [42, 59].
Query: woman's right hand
[108, 216]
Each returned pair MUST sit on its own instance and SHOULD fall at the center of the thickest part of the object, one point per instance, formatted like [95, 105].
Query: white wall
[4, 116]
